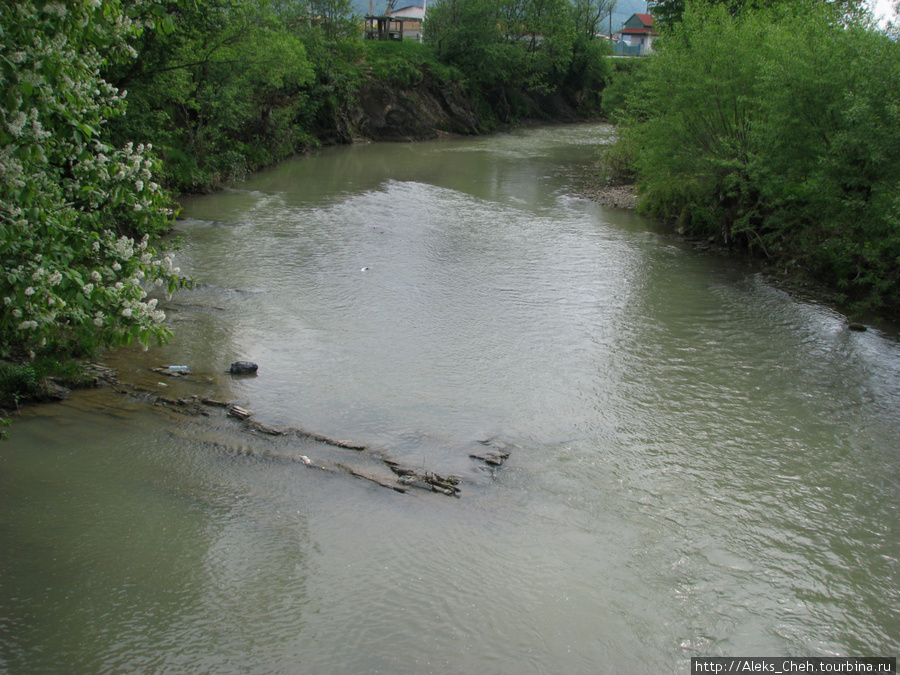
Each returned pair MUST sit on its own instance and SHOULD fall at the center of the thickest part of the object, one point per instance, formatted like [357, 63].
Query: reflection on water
[702, 465]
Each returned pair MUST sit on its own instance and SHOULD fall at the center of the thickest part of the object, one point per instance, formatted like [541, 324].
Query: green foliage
[26, 381]
[590, 72]
[76, 212]
[336, 18]
[400, 63]
[625, 76]
[405, 63]
[782, 135]
[18, 381]
[220, 94]
[510, 48]
[668, 13]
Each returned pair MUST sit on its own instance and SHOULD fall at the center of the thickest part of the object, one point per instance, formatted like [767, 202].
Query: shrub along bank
[776, 134]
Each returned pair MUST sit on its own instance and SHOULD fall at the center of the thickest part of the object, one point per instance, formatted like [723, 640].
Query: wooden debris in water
[262, 428]
[238, 412]
[494, 458]
[186, 406]
[405, 478]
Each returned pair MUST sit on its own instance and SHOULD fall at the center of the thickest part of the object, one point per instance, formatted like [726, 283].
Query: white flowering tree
[76, 215]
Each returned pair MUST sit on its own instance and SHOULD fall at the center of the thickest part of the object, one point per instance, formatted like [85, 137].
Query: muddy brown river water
[700, 464]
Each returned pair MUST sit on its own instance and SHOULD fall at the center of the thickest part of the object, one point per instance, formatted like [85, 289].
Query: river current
[700, 464]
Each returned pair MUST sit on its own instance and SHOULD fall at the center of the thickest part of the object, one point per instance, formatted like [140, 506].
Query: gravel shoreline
[616, 196]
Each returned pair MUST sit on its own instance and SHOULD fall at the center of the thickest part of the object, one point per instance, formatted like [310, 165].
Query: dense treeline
[233, 85]
[509, 49]
[776, 128]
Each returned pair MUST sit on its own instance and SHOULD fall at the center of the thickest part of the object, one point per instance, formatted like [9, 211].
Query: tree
[667, 13]
[780, 135]
[589, 69]
[220, 94]
[589, 16]
[466, 33]
[337, 18]
[504, 45]
[76, 213]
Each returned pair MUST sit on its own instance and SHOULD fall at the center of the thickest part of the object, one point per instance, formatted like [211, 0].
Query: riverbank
[796, 282]
[44, 380]
[619, 196]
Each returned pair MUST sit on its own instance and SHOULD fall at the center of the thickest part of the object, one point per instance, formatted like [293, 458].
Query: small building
[636, 36]
[396, 24]
[412, 17]
[383, 28]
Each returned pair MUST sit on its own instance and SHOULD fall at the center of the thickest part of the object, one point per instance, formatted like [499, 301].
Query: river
[700, 464]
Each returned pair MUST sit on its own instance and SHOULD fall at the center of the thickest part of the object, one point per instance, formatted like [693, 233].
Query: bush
[779, 135]
[625, 76]
[18, 382]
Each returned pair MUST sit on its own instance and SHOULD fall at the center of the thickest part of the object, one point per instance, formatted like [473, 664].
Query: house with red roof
[636, 36]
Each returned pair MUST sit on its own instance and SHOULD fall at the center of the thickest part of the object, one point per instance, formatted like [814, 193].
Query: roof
[410, 12]
[638, 24]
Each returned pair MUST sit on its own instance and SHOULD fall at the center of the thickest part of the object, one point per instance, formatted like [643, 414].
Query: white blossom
[15, 127]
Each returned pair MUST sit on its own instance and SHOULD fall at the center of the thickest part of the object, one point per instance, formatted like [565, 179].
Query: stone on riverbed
[243, 368]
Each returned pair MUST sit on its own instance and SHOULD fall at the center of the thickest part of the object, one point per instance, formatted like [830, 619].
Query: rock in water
[243, 368]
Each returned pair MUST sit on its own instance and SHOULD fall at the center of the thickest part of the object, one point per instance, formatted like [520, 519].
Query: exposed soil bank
[385, 111]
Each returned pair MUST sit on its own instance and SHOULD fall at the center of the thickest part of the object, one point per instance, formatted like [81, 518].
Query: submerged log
[393, 475]
[346, 445]
[186, 406]
[213, 403]
[262, 428]
[498, 453]
[492, 458]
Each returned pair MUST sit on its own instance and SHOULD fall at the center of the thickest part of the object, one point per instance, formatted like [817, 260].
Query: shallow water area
[700, 464]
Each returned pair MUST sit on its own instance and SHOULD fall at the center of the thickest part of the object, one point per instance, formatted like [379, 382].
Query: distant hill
[623, 11]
